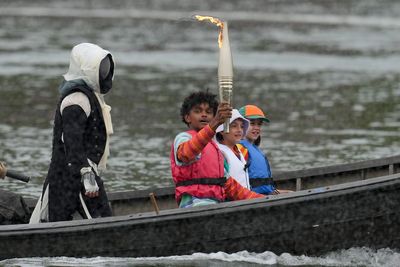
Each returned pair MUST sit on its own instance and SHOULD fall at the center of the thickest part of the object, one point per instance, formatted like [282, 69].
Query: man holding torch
[197, 163]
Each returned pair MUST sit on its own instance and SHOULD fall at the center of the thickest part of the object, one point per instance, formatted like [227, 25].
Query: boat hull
[363, 213]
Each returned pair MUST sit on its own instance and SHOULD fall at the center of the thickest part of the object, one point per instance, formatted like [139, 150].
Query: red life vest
[210, 165]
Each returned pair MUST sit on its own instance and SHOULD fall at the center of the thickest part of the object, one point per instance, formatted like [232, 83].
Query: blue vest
[258, 167]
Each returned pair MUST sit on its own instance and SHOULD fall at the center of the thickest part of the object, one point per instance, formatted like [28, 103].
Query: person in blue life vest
[259, 169]
[82, 126]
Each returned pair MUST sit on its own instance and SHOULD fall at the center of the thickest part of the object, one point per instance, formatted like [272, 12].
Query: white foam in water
[267, 257]
[356, 257]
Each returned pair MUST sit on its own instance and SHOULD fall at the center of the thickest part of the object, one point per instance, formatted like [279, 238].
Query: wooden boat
[334, 207]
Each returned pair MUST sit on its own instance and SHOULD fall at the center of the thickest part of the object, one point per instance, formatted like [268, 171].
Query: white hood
[85, 63]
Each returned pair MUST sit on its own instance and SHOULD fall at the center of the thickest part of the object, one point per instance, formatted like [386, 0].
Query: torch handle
[226, 126]
[227, 93]
[225, 87]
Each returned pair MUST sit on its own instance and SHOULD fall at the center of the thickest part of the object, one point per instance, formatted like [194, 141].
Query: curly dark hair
[198, 98]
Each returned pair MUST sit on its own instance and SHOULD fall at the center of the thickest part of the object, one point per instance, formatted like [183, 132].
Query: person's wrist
[209, 131]
[85, 170]
[213, 125]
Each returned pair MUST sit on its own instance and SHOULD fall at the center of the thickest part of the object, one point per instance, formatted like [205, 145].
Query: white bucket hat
[236, 115]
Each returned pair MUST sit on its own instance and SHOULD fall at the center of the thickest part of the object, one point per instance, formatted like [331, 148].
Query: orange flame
[215, 21]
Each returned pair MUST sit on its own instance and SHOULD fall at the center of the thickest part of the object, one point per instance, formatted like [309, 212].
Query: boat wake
[351, 257]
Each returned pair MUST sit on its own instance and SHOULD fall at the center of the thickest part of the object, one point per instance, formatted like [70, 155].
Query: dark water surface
[326, 72]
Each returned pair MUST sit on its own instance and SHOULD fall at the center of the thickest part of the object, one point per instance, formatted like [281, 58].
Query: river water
[326, 73]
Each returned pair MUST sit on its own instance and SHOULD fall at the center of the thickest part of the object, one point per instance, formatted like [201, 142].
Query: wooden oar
[154, 202]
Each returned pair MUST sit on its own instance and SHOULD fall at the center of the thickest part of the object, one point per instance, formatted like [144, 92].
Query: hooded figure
[82, 126]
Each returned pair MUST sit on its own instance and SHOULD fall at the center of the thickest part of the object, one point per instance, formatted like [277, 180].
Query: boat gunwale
[279, 177]
[338, 168]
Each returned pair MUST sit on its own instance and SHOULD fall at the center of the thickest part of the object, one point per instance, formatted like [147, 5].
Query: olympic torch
[225, 72]
[225, 66]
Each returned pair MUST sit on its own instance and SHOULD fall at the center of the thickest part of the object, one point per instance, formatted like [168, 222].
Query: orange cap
[252, 112]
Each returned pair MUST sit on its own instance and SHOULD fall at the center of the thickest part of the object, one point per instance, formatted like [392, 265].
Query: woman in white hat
[234, 164]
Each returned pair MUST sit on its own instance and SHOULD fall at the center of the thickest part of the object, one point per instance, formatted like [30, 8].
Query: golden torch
[225, 68]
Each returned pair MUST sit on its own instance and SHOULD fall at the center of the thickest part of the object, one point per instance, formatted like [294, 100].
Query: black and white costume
[82, 126]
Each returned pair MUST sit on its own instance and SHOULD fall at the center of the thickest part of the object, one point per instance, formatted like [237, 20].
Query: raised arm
[188, 150]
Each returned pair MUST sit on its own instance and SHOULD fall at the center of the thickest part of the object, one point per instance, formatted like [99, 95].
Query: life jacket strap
[204, 181]
[256, 182]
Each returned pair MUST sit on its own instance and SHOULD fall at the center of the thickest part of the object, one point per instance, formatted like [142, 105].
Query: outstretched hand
[275, 192]
[3, 170]
[224, 112]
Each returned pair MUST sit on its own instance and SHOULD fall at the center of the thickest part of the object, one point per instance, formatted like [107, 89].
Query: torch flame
[225, 69]
[215, 21]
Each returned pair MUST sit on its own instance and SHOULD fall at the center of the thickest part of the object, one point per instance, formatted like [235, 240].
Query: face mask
[106, 72]
[104, 68]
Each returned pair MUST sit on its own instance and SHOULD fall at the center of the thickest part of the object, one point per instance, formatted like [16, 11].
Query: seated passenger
[234, 163]
[259, 170]
[197, 164]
